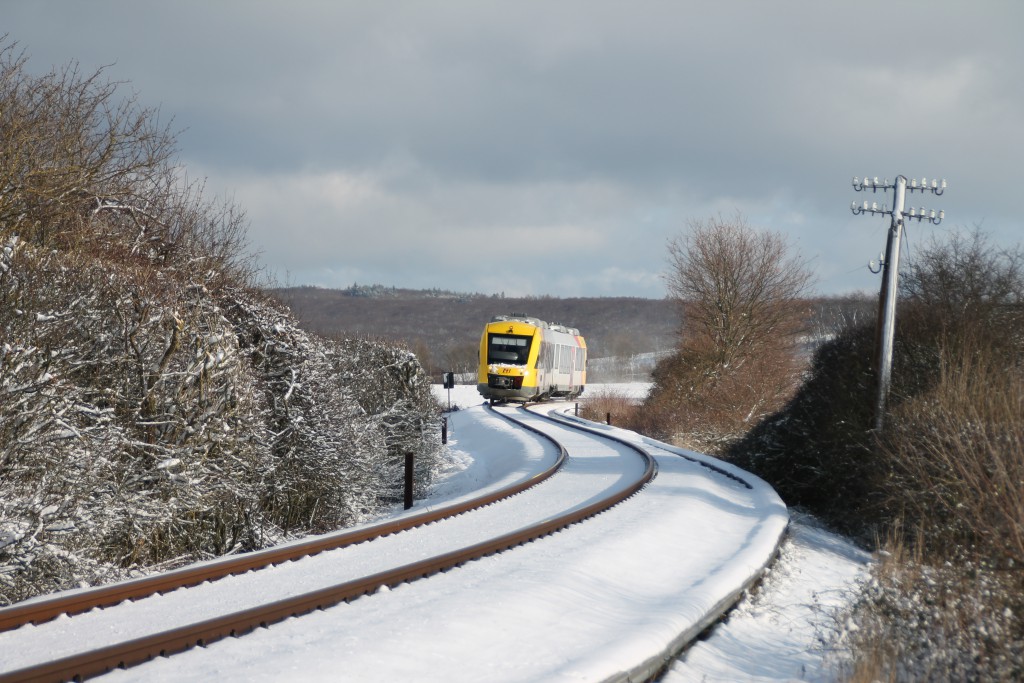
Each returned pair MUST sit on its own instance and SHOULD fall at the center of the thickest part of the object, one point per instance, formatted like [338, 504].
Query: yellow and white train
[526, 359]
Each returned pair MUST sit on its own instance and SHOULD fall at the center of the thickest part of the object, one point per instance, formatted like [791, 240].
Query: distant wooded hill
[443, 328]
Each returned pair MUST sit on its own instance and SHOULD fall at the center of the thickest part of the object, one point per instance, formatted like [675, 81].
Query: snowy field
[465, 395]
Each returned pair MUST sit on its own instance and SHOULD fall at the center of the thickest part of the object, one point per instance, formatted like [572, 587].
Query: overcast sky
[554, 147]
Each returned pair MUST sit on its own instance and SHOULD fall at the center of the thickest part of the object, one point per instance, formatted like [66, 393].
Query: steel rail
[43, 610]
[96, 662]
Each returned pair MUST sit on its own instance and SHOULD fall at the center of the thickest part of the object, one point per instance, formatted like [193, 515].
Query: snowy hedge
[154, 407]
[147, 422]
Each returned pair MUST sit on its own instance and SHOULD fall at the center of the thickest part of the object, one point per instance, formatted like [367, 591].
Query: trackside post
[408, 480]
[449, 383]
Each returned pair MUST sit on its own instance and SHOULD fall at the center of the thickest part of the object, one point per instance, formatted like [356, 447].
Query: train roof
[536, 322]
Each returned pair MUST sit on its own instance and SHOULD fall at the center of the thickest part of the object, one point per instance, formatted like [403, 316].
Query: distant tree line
[444, 332]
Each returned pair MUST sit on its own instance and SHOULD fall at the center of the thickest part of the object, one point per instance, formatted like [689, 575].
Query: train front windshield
[510, 349]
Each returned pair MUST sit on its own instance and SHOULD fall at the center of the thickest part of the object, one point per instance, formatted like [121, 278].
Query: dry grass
[621, 408]
[700, 404]
[958, 456]
[947, 601]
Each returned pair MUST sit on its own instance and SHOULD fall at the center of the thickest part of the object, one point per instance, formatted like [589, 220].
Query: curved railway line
[124, 654]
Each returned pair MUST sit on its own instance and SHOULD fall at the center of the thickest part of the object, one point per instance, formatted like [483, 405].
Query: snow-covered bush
[154, 407]
[958, 621]
[154, 422]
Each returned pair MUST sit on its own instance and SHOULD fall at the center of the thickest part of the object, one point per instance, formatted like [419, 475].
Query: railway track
[41, 611]
[92, 661]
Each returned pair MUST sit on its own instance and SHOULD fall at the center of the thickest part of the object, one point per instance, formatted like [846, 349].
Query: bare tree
[83, 166]
[70, 145]
[740, 289]
[966, 281]
[742, 296]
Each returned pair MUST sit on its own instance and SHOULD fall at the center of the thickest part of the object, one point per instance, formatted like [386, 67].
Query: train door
[573, 375]
[545, 376]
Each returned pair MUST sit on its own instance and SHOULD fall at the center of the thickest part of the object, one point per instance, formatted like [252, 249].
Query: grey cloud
[474, 118]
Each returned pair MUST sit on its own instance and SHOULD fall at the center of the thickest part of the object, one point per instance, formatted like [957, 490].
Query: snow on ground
[465, 395]
[579, 605]
[583, 604]
[785, 629]
[634, 390]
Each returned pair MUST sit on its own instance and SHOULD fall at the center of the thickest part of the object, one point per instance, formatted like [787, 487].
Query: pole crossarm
[934, 186]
